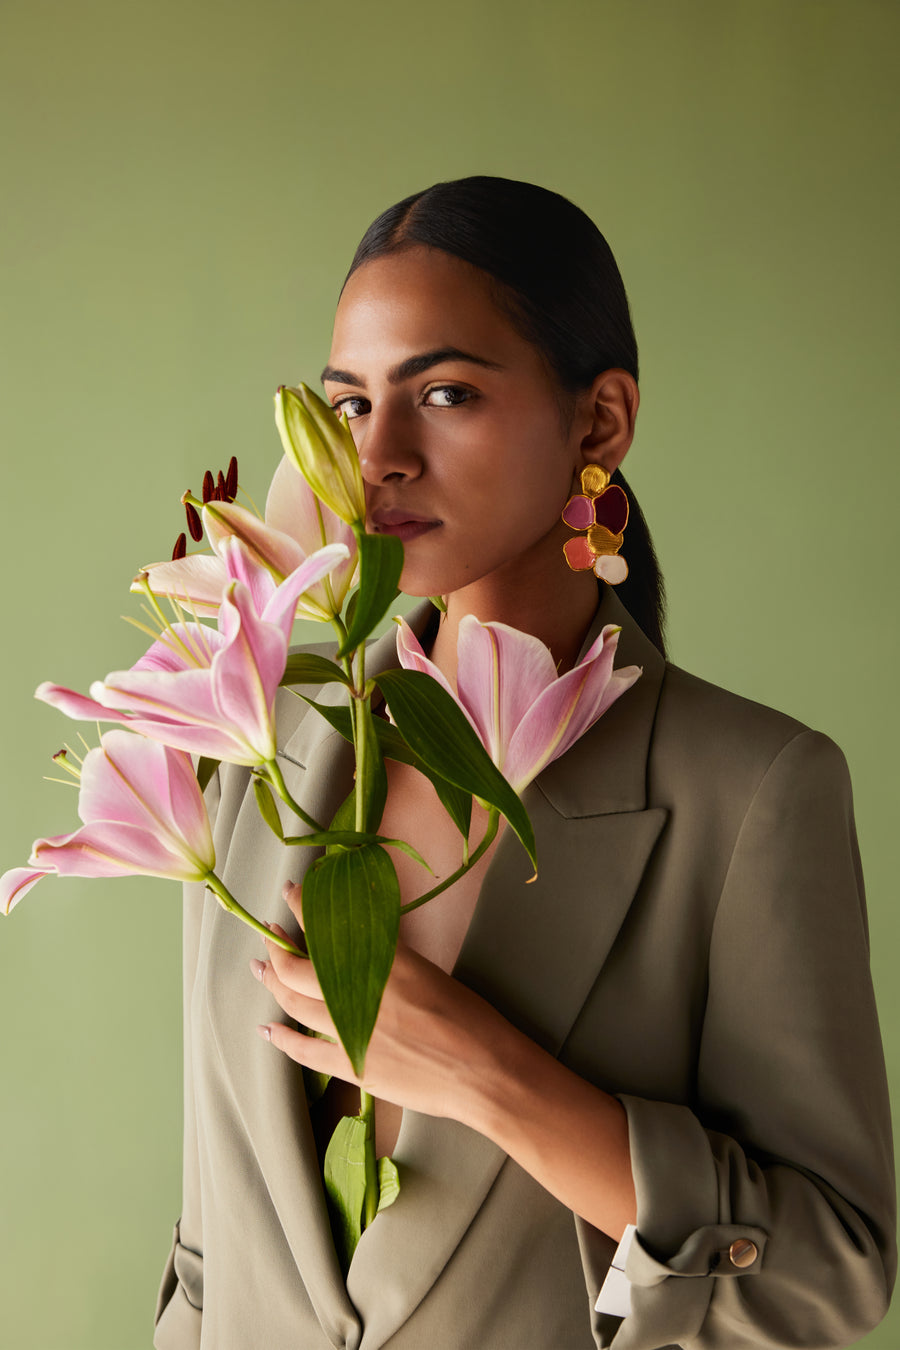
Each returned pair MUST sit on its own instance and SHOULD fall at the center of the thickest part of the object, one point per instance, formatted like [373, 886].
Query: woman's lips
[404, 525]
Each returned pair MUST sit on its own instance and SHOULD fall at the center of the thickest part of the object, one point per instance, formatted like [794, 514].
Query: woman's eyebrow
[413, 365]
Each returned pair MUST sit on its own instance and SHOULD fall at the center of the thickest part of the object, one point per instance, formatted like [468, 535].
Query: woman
[672, 1028]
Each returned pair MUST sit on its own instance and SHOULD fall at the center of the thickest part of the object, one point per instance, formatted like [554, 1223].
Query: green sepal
[206, 767]
[351, 918]
[388, 1183]
[309, 668]
[438, 731]
[380, 565]
[344, 1174]
[457, 802]
[267, 808]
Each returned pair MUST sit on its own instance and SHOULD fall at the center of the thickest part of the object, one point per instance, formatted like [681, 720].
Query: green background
[183, 185]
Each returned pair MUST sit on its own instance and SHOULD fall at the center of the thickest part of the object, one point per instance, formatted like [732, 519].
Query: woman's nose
[387, 448]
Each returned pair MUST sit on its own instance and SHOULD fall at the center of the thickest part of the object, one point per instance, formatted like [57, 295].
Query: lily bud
[322, 448]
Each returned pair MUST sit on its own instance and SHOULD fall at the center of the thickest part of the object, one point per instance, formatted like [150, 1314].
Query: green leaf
[308, 668]
[380, 565]
[206, 767]
[438, 731]
[388, 1183]
[351, 917]
[267, 808]
[456, 801]
[344, 1174]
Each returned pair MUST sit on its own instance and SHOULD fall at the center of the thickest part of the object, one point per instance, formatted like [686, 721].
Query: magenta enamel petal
[611, 509]
[578, 513]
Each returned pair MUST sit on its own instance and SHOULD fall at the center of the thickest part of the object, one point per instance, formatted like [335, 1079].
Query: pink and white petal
[138, 783]
[611, 567]
[197, 581]
[293, 508]
[567, 709]
[18, 882]
[282, 607]
[242, 565]
[177, 709]
[269, 547]
[185, 646]
[113, 849]
[500, 673]
[412, 657]
[246, 672]
[74, 705]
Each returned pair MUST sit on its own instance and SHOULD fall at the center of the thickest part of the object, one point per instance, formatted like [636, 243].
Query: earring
[601, 508]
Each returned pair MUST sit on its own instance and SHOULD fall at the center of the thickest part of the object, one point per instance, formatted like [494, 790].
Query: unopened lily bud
[322, 448]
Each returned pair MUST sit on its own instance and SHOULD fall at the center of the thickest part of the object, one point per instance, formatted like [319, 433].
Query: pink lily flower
[207, 691]
[525, 714]
[142, 812]
[296, 525]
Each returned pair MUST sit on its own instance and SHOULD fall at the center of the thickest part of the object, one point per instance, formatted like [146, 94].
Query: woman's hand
[440, 1049]
[435, 1046]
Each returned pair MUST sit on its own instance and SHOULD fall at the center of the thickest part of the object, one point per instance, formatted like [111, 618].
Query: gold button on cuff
[742, 1253]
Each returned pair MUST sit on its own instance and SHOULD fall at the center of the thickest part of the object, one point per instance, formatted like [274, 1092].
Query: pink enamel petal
[16, 883]
[578, 513]
[75, 705]
[282, 606]
[567, 708]
[197, 580]
[269, 547]
[500, 673]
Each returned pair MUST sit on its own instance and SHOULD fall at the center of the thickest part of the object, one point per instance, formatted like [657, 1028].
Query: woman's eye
[350, 406]
[447, 396]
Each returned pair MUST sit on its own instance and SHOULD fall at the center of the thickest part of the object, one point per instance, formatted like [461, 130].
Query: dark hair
[555, 277]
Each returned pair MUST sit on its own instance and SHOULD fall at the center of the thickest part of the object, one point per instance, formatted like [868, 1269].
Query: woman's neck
[555, 605]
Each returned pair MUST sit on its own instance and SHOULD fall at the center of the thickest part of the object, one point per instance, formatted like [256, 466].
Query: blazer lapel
[534, 950]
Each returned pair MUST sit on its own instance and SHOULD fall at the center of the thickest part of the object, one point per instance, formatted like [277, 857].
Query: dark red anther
[180, 548]
[231, 478]
[221, 489]
[195, 524]
[209, 487]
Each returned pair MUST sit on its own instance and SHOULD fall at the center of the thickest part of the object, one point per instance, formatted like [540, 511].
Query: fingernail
[265, 1032]
[258, 968]
[287, 888]
[277, 929]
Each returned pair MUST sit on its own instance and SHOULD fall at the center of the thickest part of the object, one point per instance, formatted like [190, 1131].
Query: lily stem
[228, 902]
[367, 1113]
[489, 835]
[273, 773]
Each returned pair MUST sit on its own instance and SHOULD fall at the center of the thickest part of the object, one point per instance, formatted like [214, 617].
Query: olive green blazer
[695, 943]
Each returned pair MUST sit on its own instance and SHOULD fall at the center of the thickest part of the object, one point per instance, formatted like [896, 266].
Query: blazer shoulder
[726, 740]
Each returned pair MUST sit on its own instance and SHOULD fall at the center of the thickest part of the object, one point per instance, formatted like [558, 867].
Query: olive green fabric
[696, 942]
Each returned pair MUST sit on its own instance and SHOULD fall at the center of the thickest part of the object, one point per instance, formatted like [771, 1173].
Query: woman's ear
[608, 411]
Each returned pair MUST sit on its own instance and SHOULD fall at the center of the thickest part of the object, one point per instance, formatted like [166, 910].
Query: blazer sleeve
[765, 1215]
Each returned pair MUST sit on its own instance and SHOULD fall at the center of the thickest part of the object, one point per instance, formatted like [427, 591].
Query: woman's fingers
[313, 1053]
[292, 895]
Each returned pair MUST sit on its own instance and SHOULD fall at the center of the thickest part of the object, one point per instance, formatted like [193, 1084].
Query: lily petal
[18, 882]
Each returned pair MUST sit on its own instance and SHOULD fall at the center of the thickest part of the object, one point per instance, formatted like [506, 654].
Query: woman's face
[457, 422]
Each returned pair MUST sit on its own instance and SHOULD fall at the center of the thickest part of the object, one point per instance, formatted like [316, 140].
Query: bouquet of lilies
[204, 693]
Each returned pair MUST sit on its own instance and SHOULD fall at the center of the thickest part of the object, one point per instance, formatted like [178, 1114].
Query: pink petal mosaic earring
[601, 508]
